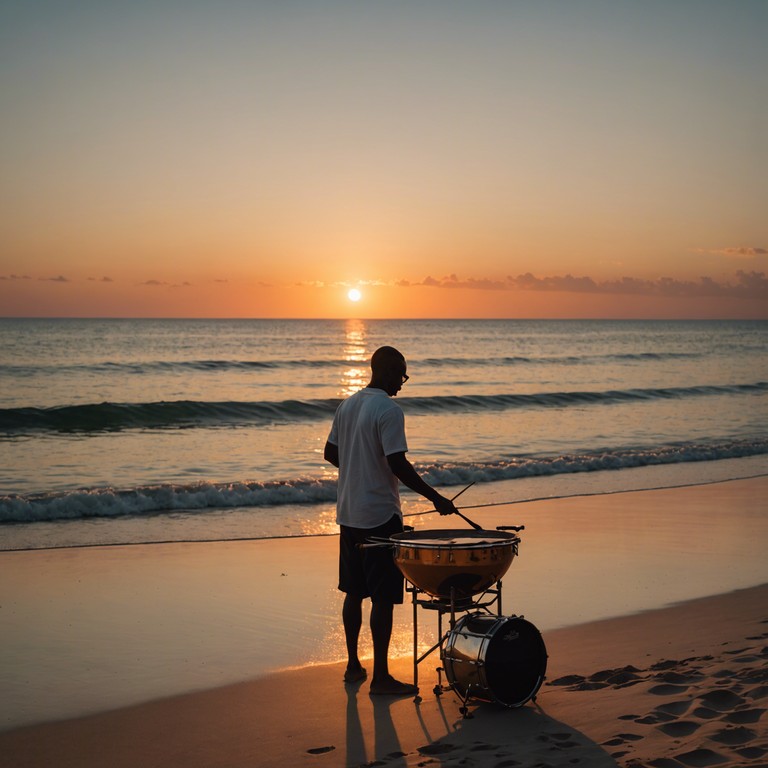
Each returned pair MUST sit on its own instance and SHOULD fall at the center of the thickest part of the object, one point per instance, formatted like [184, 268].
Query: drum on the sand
[499, 659]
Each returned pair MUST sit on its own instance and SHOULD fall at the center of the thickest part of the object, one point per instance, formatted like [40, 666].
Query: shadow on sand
[491, 736]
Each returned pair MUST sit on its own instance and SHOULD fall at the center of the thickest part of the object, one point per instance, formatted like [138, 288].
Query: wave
[159, 499]
[179, 414]
[213, 365]
[100, 417]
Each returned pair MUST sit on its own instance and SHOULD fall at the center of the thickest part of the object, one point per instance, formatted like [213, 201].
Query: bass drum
[499, 659]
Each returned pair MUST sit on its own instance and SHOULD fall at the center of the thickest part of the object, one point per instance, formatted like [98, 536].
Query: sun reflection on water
[355, 353]
[323, 524]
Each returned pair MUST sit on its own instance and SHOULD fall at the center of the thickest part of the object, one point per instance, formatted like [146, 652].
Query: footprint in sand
[737, 650]
[618, 677]
[679, 728]
[744, 716]
[701, 758]
[622, 738]
[675, 678]
[705, 713]
[751, 753]
[751, 659]
[675, 708]
[761, 692]
[734, 737]
[724, 673]
[652, 719]
[567, 680]
[722, 700]
[665, 664]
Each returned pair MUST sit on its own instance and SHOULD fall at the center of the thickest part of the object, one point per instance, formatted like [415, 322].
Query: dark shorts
[370, 572]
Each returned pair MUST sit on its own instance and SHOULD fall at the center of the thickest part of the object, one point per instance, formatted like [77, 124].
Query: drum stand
[488, 600]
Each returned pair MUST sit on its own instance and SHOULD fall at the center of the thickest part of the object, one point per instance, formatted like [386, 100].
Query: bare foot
[391, 687]
[355, 674]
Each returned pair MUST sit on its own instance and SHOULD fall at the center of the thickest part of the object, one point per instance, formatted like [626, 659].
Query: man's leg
[381, 632]
[352, 616]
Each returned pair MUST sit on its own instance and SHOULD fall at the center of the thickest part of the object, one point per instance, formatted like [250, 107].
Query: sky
[487, 158]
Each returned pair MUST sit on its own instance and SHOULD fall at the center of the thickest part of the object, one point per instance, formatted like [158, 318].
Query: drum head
[516, 662]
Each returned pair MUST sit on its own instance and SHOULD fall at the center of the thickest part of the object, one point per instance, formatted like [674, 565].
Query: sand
[682, 686]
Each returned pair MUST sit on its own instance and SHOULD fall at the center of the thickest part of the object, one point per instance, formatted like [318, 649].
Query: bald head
[388, 370]
[385, 359]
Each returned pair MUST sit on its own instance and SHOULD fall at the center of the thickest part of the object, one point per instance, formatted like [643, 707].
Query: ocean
[132, 431]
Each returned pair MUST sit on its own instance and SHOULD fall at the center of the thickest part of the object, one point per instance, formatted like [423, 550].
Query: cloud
[742, 252]
[452, 281]
[164, 283]
[101, 279]
[59, 279]
[753, 285]
[343, 283]
[15, 277]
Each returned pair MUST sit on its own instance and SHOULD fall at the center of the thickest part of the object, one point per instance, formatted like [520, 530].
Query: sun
[354, 294]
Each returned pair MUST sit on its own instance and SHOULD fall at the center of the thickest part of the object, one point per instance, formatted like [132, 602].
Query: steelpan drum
[498, 659]
[469, 562]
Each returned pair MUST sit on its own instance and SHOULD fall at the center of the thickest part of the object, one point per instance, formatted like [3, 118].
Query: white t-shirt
[367, 427]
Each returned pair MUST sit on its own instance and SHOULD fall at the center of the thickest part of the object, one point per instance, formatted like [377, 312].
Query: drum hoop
[481, 544]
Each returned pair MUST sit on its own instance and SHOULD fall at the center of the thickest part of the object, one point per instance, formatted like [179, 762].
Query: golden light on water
[356, 353]
[323, 524]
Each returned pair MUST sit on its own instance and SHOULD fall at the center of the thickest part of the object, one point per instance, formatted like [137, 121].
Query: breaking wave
[161, 499]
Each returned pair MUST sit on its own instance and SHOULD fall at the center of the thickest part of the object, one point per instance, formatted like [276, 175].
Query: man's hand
[444, 506]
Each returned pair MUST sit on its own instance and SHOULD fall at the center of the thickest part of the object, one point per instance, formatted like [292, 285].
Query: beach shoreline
[93, 630]
[685, 684]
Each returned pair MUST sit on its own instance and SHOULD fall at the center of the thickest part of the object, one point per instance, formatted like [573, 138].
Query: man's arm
[408, 476]
[331, 454]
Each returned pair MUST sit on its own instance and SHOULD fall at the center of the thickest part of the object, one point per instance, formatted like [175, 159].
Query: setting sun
[354, 294]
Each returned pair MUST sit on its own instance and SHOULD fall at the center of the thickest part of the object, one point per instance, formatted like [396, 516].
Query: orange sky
[486, 160]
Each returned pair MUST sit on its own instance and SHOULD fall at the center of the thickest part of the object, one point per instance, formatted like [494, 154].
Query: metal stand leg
[415, 640]
[486, 602]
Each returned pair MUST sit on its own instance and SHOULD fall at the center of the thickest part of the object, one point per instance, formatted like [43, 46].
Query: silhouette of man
[367, 443]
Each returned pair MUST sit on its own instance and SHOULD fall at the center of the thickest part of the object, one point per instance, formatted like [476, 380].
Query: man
[367, 443]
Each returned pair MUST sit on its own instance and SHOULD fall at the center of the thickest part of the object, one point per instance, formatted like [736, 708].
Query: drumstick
[462, 491]
[464, 517]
